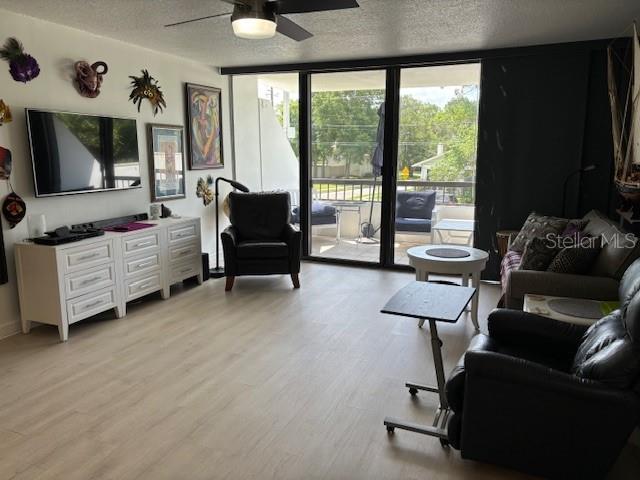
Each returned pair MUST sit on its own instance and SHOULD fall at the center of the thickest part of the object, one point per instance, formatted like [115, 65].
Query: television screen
[74, 153]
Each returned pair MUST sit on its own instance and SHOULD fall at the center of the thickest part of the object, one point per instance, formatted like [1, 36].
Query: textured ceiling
[379, 28]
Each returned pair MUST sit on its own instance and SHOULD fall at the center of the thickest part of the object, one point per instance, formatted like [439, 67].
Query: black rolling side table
[434, 303]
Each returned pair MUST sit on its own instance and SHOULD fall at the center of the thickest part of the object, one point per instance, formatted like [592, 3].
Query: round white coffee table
[451, 260]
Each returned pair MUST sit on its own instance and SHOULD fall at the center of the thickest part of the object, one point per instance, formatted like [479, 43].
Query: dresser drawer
[181, 271]
[181, 251]
[90, 304]
[143, 264]
[183, 232]
[90, 280]
[144, 242]
[80, 258]
[139, 286]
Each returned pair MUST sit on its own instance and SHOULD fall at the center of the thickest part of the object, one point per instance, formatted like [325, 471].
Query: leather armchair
[261, 239]
[550, 398]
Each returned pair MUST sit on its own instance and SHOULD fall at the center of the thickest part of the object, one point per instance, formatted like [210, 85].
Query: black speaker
[205, 267]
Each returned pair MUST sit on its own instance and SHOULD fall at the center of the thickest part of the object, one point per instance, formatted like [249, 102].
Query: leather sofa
[261, 239]
[550, 398]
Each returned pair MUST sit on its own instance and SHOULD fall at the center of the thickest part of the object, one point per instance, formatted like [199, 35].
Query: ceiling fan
[260, 19]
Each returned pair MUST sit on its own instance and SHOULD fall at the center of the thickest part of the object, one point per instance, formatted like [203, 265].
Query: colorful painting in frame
[204, 127]
[166, 162]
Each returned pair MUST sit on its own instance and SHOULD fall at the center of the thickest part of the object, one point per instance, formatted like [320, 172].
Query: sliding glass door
[436, 161]
[347, 115]
[323, 137]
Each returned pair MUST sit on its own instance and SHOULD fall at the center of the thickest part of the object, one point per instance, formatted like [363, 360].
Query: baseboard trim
[8, 330]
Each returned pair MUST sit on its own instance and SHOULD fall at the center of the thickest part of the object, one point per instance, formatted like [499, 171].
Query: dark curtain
[4, 278]
[542, 117]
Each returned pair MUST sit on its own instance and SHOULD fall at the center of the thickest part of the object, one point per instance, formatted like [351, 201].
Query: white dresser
[63, 284]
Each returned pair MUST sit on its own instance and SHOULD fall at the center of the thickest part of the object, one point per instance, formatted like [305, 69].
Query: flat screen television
[78, 153]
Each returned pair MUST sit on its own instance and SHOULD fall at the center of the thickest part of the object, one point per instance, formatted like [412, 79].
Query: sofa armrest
[229, 238]
[515, 327]
[521, 282]
[293, 238]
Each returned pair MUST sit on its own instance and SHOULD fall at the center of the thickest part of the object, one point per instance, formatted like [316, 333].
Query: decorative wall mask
[5, 113]
[13, 209]
[147, 87]
[89, 77]
[5, 163]
[203, 190]
[22, 66]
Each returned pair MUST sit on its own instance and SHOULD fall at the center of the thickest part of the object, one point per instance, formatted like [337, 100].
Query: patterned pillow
[539, 226]
[538, 254]
[577, 260]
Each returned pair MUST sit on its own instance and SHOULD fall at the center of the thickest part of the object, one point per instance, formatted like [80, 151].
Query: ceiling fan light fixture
[253, 28]
[254, 22]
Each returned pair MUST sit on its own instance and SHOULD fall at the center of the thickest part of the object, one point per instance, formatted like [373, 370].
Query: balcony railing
[364, 189]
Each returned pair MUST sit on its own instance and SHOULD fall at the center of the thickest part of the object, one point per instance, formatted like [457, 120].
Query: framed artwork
[166, 162]
[204, 127]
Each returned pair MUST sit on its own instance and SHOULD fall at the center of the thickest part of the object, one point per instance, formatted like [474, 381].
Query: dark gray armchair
[261, 239]
[414, 211]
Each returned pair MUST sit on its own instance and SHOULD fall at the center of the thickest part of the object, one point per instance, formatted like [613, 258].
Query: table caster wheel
[413, 391]
[390, 430]
[444, 443]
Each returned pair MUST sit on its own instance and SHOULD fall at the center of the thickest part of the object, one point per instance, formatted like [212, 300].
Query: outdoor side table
[433, 303]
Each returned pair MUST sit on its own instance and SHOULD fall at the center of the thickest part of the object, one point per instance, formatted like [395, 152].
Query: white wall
[56, 48]
[267, 160]
[246, 130]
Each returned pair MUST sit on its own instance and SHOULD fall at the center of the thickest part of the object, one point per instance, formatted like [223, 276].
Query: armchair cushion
[260, 216]
[413, 225]
[262, 249]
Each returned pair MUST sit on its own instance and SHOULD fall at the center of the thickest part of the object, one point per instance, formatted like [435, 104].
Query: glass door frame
[389, 168]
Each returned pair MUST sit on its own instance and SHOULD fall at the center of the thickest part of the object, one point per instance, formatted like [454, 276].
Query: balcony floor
[326, 246]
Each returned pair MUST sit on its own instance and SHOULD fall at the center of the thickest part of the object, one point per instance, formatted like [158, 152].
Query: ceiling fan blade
[297, 6]
[237, 2]
[197, 19]
[291, 29]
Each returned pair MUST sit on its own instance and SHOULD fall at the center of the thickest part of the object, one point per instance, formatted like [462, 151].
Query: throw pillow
[538, 226]
[537, 255]
[577, 260]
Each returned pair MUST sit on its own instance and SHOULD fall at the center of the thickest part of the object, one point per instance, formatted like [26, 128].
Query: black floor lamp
[582, 170]
[218, 271]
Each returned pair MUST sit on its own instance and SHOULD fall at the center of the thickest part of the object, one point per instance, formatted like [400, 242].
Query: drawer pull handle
[184, 252]
[143, 244]
[93, 304]
[143, 286]
[90, 280]
[184, 234]
[145, 264]
[89, 257]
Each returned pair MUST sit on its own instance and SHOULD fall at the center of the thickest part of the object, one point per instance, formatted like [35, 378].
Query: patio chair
[414, 212]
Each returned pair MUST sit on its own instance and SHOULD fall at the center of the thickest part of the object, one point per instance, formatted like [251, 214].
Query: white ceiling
[379, 28]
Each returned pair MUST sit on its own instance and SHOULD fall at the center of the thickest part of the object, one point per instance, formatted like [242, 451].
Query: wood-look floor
[266, 382]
